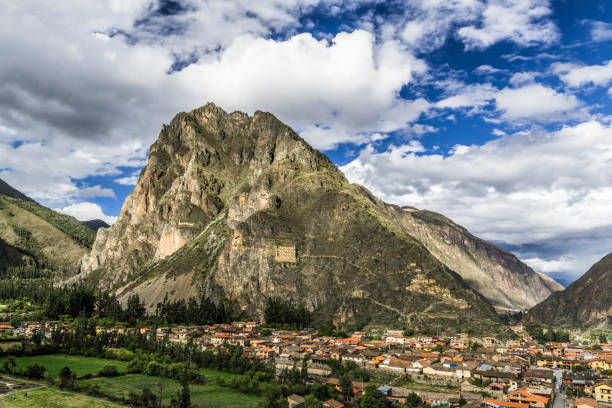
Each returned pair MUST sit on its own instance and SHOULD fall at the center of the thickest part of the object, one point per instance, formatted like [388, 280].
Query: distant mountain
[585, 303]
[241, 208]
[95, 224]
[9, 191]
[501, 277]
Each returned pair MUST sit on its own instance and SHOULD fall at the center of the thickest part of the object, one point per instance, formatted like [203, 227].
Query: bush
[136, 367]
[118, 354]
[36, 372]
[154, 369]
[109, 371]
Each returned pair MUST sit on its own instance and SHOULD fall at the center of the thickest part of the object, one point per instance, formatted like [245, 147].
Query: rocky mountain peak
[240, 208]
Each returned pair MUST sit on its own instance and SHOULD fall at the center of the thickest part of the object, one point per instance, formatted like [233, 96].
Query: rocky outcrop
[506, 282]
[241, 208]
[584, 303]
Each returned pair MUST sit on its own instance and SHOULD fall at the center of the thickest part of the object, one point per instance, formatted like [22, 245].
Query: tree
[346, 387]
[439, 348]
[185, 395]
[135, 309]
[273, 398]
[409, 332]
[311, 402]
[373, 398]
[184, 398]
[602, 338]
[66, 377]
[413, 400]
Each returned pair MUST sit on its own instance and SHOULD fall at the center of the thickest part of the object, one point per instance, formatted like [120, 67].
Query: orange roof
[6, 326]
[529, 395]
[430, 355]
[349, 340]
[508, 404]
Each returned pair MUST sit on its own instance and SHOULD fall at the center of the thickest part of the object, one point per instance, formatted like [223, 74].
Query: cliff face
[499, 276]
[242, 208]
[585, 303]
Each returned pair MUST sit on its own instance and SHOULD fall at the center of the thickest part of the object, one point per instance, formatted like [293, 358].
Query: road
[560, 399]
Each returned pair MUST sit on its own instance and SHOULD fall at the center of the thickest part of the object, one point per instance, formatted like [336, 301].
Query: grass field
[407, 383]
[203, 396]
[78, 364]
[53, 398]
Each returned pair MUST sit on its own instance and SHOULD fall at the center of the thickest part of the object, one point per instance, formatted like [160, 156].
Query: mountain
[9, 191]
[499, 276]
[31, 234]
[241, 209]
[585, 303]
[95, 224]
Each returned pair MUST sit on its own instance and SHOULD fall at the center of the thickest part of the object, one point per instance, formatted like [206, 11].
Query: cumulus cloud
[531, 186]
[521, 78]
[98, 79]
[525, 22]
[86, 211]
[332, 92]
[130, 180]
[479, 24]
[535, 101]
[472, 97]
[601, 31]
[578, 75]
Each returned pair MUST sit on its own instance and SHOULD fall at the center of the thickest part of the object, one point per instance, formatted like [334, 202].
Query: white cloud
[522, 78]
[85, 85]
[525, 22]
[537, 102]
[527, 187]
[601, 31]
[87, 211]
[332, 92]
[130, 180]
[487, 70]
[474, 96]
[579, 75]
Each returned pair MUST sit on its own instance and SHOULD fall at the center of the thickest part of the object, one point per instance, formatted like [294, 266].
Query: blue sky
[495, 113]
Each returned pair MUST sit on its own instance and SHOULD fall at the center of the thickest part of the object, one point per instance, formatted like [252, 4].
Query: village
[458, 370]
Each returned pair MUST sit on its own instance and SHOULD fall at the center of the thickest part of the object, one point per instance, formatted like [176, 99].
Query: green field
[203, 396]
[212, 375]
[78, 364]
[53, 398]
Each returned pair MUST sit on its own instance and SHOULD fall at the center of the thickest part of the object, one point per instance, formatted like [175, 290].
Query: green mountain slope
[30, 233]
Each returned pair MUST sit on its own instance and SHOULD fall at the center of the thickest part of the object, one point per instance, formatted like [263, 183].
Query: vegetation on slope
[28, 239]
[68, 225]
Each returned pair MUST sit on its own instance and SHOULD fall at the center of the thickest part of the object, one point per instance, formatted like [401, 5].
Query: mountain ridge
[584, 303]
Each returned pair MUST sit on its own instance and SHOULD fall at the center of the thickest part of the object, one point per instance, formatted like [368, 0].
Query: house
[598, 364]
[525, 397]
[385, 390]
[502, 404]
[603, 391]
[539, 378]
[586, 403]
[332, 403]
[6, 328]
[295, 401]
